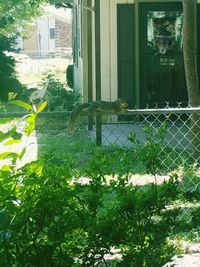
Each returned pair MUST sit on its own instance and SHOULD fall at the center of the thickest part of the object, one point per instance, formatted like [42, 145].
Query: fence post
[98, 68]
[98, 130]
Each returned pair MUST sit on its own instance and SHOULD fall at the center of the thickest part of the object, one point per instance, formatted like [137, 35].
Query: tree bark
[189, 51]
[190, 64]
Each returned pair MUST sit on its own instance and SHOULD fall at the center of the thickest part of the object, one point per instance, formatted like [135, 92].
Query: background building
[50, 35]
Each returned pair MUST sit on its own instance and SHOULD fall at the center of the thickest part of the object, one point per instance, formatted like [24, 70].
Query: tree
[189, 52]
[13, 15]
[190, 64]
[8, 81]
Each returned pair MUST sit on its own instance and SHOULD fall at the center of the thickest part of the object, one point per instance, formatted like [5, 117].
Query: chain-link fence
[179, 127]
[179, 130]
[176, 131]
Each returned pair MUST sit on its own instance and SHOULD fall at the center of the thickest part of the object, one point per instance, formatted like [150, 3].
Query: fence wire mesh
[178, 141]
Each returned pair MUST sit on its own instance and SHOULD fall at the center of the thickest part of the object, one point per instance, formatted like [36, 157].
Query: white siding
[43, 35]
[51, 41]
[109, 48]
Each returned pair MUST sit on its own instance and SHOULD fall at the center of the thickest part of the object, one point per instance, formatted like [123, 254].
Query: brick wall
[63, 34]
[30, 43]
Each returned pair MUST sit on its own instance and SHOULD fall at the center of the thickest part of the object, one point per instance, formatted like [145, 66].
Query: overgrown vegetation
[53, 213]
[8, 82]
[60, 96]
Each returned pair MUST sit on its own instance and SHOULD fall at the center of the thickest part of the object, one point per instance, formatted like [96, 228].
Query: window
[52, 33]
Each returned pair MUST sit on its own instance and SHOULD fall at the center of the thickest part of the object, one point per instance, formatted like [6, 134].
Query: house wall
[30, 42]
[63, 34]
[109, 48]
[108, 37]
[45, 44]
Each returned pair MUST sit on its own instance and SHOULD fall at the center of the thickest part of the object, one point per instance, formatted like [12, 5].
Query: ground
[185, 260]
[31, 71]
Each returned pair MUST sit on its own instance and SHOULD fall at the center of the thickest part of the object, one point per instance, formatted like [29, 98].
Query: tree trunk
[190, 64]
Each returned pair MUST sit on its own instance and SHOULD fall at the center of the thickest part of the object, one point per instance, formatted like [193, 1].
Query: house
[130, 49]
[50, 35]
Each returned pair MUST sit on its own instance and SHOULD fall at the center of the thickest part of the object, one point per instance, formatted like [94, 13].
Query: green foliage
[59, 97]
[16, 13]
[8, 81]
[149, 153]
[55, 220]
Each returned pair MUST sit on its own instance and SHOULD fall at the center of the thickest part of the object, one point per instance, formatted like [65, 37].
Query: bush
[8, 81]
[51, 219]
[59, 97]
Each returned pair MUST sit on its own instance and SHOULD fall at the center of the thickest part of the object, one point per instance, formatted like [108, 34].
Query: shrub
[8, 81]
[52, 219]
[49, 216]
[59, 97]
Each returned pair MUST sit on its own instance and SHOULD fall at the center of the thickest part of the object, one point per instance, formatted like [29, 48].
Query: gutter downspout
[98, 68]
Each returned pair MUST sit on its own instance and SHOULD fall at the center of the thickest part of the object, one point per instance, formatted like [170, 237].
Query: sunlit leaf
[34, 108]
[11, 96]
[21, 104]
[30, 126]
[5, 168]
[5, 155]
[22, 153]
[42, 107]
[13, 141]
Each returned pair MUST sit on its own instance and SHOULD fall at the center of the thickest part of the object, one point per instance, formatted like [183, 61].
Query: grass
[63, 146]
[32, 71]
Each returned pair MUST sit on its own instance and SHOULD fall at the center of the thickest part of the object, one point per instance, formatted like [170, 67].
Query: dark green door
[125, 52]
[162, 77]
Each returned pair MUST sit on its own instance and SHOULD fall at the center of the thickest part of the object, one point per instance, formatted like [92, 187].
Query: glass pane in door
[162, 73]
[164, 34]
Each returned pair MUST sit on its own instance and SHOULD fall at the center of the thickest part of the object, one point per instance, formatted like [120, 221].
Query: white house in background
[49, 35]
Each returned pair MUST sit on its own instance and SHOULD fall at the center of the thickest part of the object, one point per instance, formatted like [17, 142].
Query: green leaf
[9, 155]
[30, 126]
[4, 218]
[21, 104]
[13, 141]
[42, 107]
[6, 168]
[22, 153]
[4, 136]
[10, 134]
[11, 96]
